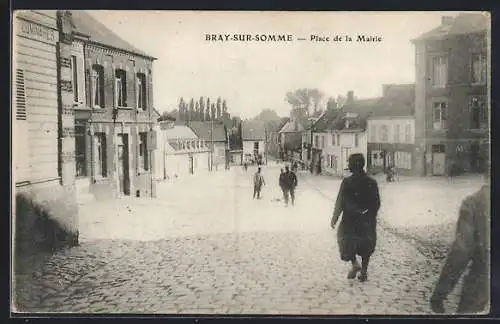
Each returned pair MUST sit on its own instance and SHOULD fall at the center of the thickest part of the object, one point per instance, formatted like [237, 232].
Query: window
[479, 112]
[356, 140]
[377, 158]
[397, 130]
[338, 139]
[402, 160]
[101, 169]
[384, 133]
[20, 96]
[333, 139]
[120, 88]
[316, 141]
[373, 133]
[143, 152]
[408, 138]
[322, 141]
[80, 148]
[439, 71]
[479, 68]
[439, 117]
[331, 161]
[141, 91]
[97, 80]
[74, 76]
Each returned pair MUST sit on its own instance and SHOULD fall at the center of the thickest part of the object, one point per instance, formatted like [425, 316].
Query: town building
[158, 155]
[184, 152]
[451, 95]
[254, 141]
[215, 134]
[43, 129]
[112, 95]
[391, 131]
[290, 138]
[335, 136]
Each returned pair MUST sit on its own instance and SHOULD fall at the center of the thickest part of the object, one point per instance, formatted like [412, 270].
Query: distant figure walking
[245, 166]
[288, 183]
[358, 201]
[470, 250]
[258, 183]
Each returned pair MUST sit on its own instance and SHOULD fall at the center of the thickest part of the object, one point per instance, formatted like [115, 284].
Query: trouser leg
[292, 195]
[365, 260]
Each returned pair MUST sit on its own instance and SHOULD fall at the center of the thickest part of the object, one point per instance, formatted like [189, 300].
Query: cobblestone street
[205, 247]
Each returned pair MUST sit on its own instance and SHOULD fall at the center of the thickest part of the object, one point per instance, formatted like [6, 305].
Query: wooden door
[123, 165]
[438, 164]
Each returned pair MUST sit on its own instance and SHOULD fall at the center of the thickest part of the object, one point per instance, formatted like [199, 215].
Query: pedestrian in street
[358, 201]
[289, 184]
[258, 183]
[471, 249]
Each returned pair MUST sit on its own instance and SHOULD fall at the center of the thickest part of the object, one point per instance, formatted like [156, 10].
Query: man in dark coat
[358, 201]
[471, 249]
[258, 183]
[289, 181]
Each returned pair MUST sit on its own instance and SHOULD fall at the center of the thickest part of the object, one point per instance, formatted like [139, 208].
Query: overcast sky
[253, 76]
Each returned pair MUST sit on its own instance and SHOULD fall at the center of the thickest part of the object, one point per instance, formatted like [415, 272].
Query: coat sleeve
[459, 255]
[376, 197]
[339, 204]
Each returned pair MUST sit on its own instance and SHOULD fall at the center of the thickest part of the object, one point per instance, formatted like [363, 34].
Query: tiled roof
[180, 132]
[100, 34]
[203, 129]
[464, 23]
[327, 120]
[253, 130]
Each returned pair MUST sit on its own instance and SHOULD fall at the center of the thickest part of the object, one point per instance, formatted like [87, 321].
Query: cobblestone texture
[220, 252]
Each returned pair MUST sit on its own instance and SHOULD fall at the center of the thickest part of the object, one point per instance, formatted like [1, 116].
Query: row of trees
[306, 102]
[201, 109]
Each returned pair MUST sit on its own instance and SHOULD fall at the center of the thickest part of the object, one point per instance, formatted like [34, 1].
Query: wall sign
[36, 31]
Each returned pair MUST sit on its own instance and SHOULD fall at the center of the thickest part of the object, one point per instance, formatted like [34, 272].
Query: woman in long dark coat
[358, 201]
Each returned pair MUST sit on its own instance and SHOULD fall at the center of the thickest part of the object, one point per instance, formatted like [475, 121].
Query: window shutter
[20, 98]
[20, 139]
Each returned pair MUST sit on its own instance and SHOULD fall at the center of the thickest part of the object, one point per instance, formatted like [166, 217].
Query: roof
[327, 120]
[464, 23]
[398, 101]
[292, 126]
[180, 132]
[203, 129]
[100, 34]
[363, 107]
[253, 130]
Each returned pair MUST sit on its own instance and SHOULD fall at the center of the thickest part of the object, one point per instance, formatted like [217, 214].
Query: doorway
[191, 165]
[438, 159]
[123, 165]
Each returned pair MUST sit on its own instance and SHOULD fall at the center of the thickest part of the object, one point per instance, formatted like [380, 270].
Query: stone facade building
[452, 97]
[113, 101]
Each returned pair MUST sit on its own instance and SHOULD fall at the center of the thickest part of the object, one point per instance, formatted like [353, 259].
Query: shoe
[363, 277]
[352, 273]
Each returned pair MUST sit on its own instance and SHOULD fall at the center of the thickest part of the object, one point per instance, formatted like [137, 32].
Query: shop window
[402, 160]
[143, 152]
[120, 88]
[97, 86]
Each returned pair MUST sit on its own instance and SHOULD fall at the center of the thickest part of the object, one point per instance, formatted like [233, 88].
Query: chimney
[446, 20]
[350, 97]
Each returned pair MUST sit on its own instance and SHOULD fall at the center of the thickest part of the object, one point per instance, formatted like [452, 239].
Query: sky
[253, 76]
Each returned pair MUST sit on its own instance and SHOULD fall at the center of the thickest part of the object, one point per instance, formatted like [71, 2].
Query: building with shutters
[43, 161]
[112, 98]
[215, 134]
[452, 97]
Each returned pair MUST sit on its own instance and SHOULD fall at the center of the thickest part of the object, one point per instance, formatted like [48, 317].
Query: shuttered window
[20, 138]
[20, 96]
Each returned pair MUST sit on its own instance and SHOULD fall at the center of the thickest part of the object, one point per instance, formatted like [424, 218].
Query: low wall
[45, 219]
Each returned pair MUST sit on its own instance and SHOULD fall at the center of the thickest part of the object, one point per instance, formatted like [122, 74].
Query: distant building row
[437, 126]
